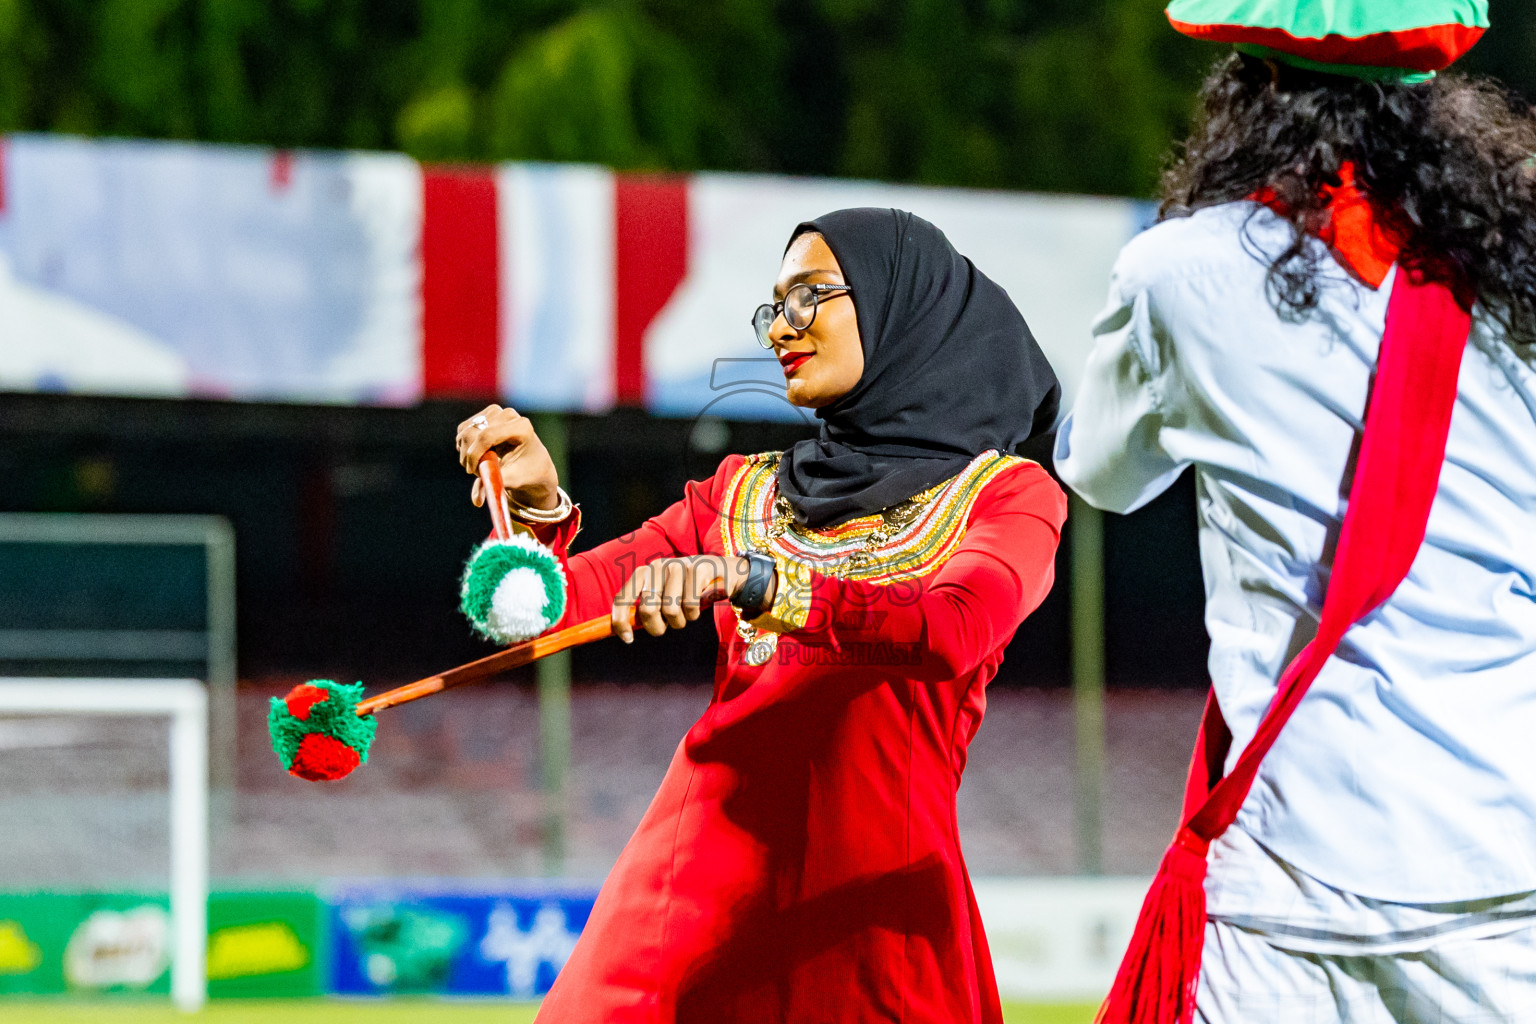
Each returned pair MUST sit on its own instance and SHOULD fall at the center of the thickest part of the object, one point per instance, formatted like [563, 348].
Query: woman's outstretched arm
[596, 576]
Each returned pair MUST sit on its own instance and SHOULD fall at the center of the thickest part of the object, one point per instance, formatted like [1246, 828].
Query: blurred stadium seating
[453, 787]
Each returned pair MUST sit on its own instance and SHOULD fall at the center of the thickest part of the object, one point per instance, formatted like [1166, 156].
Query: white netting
[84, 801]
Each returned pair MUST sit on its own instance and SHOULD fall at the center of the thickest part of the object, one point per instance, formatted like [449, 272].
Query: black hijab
[950, 371]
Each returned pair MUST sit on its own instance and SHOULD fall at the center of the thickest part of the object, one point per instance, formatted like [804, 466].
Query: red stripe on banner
[281, 170]
[650, 260]
[459, 283]
[1433, 48]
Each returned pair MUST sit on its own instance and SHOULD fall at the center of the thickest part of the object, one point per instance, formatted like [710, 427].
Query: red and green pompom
[317, 731]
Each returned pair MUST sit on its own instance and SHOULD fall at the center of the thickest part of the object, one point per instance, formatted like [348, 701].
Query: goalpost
[185, 703]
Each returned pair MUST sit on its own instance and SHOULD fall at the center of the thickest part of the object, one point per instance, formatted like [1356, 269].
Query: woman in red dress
[801, 862]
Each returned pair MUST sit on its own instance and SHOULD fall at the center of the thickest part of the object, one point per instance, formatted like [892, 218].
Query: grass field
[399, 1011]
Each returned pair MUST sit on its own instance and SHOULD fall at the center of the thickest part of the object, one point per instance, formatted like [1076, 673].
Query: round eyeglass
[799, 309]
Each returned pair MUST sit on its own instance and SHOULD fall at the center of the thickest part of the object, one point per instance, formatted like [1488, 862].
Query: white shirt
[1408, 774]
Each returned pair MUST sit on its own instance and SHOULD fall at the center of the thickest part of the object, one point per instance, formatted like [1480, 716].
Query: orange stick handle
[489, 469]
[513, 657]
[501, 661]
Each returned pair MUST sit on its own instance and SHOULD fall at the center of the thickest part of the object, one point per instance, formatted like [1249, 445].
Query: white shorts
[1245, 978]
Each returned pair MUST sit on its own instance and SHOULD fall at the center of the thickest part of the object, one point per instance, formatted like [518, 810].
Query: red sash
[1407, 421]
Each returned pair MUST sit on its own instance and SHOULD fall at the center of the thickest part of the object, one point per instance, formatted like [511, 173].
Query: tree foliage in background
[1063, 95]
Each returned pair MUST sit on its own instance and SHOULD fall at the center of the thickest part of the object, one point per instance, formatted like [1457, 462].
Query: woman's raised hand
[526, 468]
[672, 591]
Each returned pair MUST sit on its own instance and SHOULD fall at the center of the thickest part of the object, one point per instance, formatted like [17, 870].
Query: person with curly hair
[1334, 323]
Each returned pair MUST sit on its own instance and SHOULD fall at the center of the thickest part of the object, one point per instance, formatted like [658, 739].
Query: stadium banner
[165, 269]
[266, 944]
[181, 270]
[96, 944]
[261, 943]
[1052, 939]
[1058, 939]
[425, 938]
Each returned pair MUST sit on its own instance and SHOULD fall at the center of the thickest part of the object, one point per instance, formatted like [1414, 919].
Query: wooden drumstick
[489, 471]
[501, 661]
[513, 657]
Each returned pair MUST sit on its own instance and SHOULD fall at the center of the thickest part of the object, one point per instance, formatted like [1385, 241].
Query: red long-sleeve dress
[800, 863]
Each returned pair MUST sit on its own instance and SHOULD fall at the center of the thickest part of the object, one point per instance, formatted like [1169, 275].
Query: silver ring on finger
[481, 422]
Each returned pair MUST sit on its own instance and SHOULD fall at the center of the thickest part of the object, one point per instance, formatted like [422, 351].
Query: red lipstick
[791, 361]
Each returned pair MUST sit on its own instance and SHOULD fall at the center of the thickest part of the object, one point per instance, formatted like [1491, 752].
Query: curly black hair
[1449, 161]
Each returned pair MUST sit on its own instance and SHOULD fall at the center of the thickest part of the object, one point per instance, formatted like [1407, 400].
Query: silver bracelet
[558, 514]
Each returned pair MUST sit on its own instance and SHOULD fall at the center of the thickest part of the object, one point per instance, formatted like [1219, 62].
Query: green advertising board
[261, 943]
[87, 943]
[265, 943]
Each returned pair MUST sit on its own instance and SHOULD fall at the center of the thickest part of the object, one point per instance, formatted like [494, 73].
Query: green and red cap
[1385, 40]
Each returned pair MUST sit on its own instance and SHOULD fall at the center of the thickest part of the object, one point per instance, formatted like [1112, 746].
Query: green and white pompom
[513, 589]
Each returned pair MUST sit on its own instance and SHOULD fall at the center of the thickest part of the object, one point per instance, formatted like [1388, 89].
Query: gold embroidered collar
[905, 541]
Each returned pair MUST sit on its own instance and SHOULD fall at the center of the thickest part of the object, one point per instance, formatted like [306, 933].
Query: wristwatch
[751, 595]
